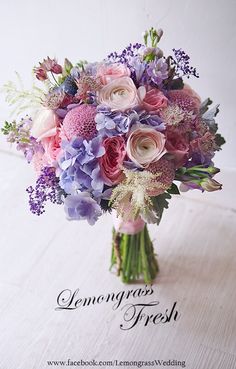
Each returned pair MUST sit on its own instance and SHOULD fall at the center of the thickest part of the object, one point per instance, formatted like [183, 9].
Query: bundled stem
[134, 256]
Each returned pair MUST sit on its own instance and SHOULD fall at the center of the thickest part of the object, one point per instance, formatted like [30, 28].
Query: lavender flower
[138, 67]
[79, 168]
[19, 133]
[46, 189]
[82, 206]
[181, 63]
[157, 71]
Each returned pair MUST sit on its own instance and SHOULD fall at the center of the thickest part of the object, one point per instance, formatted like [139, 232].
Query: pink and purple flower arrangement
[118, 136]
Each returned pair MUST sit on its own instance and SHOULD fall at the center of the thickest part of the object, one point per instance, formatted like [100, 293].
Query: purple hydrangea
[82, 206]
[79, 168]
[110, 123]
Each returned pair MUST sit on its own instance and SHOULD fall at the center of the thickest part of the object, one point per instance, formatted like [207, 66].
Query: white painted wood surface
[41, 256]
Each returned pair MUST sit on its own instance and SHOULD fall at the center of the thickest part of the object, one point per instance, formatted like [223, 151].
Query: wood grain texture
[41, 256]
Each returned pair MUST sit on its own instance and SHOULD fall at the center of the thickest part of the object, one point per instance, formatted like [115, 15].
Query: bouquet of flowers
[117, 136]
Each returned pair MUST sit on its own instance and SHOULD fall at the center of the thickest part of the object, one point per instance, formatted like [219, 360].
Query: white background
[195, 242]
[30, 30]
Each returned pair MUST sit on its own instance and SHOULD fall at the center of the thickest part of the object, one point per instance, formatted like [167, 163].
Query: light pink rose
[145, 145]
[178, 146]
[52, 147]
[127, 226]
[112, 160]
[154, 100]
[121, 94]
[109, 72]
[45, 124]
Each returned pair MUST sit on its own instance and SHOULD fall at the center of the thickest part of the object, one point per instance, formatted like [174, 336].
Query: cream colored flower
[121, 94]
[145, 145]
[44, 125]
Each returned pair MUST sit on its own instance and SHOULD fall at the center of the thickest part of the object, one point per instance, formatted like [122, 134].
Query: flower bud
[209, 184]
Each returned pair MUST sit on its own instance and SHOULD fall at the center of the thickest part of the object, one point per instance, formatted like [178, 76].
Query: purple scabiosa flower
[46, 189]
[157, 71]
[78, 166]
[82, 206]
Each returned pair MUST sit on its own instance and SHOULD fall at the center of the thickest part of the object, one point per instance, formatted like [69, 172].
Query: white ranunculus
[121, 94]
[145, 145]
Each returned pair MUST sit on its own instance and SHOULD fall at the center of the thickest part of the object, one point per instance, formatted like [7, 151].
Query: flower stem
[134, 256]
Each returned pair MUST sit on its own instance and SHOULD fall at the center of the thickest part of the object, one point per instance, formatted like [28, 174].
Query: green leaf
[8, 127]
[173, 190]
[177, 84]
[204, 105]
[160, 203]
[219, 140]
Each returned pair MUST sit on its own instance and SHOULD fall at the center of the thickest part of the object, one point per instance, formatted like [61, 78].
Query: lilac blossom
[19, 133]
[138, 68]
[157, 71]
[82, 206]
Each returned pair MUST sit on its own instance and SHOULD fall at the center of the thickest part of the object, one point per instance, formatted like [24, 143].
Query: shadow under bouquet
[117, 136]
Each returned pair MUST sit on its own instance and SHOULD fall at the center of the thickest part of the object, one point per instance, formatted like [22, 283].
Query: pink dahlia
[80, 122]
[166, 169]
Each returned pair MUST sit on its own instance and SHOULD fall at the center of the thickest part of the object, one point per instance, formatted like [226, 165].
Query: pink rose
[45, 124]
[145, 145]
[154, 100]
[121, 94]
[109, 72]
[178, 146]
[52, 147]
[112, 160]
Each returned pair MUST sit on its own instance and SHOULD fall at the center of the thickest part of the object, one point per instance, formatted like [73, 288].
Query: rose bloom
[145, 145]
[154, 100]
[52, 147]
[178, 146]
[44, 125]
[112, 160]
[109, 72]
[121, 94]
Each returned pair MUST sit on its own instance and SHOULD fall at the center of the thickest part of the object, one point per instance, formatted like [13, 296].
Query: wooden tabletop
[42, 256]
